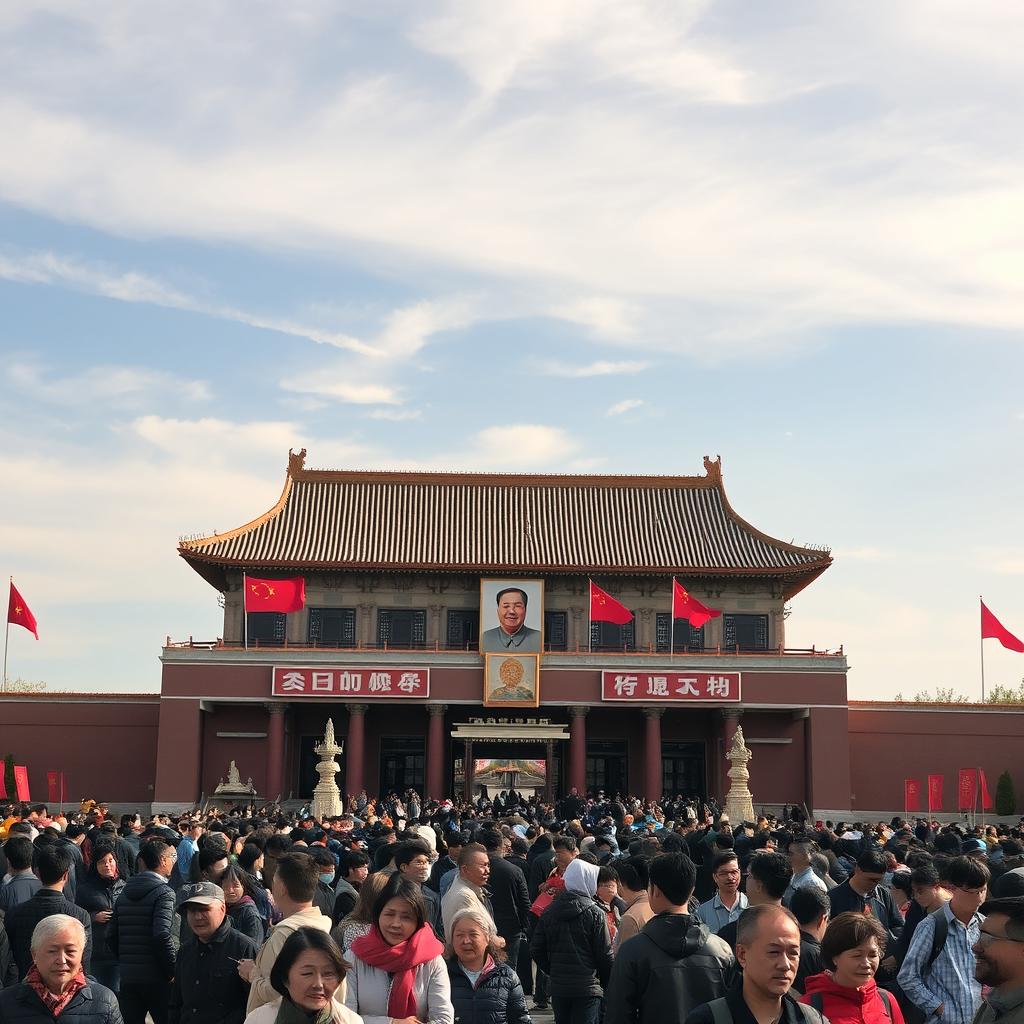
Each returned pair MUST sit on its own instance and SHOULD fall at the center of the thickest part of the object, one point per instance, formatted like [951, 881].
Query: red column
[578, 749]
[652, 753]
[355, 748]
[435, 752]
[275, 749]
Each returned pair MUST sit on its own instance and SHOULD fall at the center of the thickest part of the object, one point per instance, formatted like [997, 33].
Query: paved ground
[539, 1016]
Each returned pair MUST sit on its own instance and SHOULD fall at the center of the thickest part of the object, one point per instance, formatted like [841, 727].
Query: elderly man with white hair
[485, 988]
[56, 987]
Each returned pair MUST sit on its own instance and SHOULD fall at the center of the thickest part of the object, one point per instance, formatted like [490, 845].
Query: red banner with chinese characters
[21, 783]
[935, 783]
[359, 681]
[671, 686]
[55, 787]
[911, 795]
[967, 789]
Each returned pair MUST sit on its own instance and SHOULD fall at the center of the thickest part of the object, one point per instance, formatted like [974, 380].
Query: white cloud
[600, 368]
[339, 384]
[396, 415]
[626, 405]
[121, 385]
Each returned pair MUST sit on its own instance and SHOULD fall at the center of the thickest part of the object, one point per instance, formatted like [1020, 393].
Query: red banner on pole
[967, 789]
[935, 792]
[54, 787]
[911, 795]
[986, 799]
[21, 783]
[3, 785]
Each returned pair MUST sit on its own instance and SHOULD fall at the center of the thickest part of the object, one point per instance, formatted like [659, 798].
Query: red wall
[106, 747]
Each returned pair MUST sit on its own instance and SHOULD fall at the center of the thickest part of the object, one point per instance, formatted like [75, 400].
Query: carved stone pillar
[365, 626]
[434, 625]
[645, 632]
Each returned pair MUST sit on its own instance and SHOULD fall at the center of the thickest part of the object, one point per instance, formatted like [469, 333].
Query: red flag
[993, 629]
[275, 595]
[686, 606]
[935, 792]
[967, 789]
[604, 608]
[3, 785]
[986, 800]
[55, 787]
[18, 612]
[911, 795]
[21, 783]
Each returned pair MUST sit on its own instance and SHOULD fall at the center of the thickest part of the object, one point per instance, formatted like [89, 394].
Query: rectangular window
[400, 627]
[266, 628]
[686, 637]
[463, 629]
[332, 627]
[747, 632]
[556, 632]
[606, 636]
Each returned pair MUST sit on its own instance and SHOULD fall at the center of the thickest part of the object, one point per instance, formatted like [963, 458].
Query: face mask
[327, 877]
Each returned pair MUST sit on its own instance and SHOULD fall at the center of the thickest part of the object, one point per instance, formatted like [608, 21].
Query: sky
[553, 236]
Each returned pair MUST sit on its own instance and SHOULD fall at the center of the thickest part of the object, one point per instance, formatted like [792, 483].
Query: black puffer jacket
[93, 895]
[207, 988]
[675, 962]
[139, 933]
[497, 998]
[571, 943]
[93, 1004]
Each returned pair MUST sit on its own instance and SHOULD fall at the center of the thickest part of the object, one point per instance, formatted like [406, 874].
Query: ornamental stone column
[326, 796]
[730, 723]
[355, 746]
[275, 749]
[578, 748]
[652, 753]
[435, 752]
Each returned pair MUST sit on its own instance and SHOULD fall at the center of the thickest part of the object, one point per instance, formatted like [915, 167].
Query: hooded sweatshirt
[845, 1005]
[581, 877]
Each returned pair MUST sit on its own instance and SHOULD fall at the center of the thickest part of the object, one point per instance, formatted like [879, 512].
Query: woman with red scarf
[398, 973]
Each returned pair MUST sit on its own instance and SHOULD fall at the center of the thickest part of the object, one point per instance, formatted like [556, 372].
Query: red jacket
[843, 1005]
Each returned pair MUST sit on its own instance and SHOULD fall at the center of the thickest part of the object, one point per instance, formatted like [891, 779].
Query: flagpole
[982, 800]
[982, 642]
[672, 621]
[245, 612]
[7, 633]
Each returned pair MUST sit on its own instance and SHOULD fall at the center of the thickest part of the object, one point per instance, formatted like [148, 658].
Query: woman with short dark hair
[307, 973]
[398, 975]
[852, 947]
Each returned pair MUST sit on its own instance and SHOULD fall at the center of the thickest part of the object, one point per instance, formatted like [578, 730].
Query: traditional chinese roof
[501, 523]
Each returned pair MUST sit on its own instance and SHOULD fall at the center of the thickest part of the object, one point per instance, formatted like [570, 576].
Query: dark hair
[459, 839]
[564, 843]
[277, 845]
[468, 851]
[901, 880]
[968, 873]
[299, 876]
[323, 857]
[634, 873]
[848, 931]
[235, 873]
[772, 870]
[749, 922]
[352, 859]
[724, 841]
[490, 840]
[203, 861]
[152, 852]
[520, 847]
[926, 874]
[606, 873]
[675, 875]
[248, 857]
[18, 850]
[52, 864]
[294, 946]
[808, 903]
[513, 590]
[402, 889]
[871, 862]
[725, 857]
[406, 853]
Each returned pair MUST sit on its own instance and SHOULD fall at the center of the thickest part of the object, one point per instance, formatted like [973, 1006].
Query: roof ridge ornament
[296, 461]
[713, 469]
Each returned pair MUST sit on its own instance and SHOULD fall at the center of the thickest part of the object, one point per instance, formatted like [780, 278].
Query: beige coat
[267, 1014]
[261, 991]
[637, 914]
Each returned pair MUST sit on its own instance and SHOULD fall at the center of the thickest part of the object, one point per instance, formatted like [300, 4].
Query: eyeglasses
[986, 937]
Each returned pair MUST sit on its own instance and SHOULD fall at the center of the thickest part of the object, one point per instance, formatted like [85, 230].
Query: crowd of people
[601, 909]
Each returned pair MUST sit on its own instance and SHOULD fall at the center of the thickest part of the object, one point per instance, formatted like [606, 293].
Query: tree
[1006, 799]
[9, 784]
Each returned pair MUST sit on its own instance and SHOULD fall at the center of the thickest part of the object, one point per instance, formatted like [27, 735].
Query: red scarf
[55, 1004]
[400, 962]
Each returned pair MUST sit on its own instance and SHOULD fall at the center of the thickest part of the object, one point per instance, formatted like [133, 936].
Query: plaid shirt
[950, 982]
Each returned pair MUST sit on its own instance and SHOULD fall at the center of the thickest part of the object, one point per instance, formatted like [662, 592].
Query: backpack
[939, 938]
[818, 1002]
[721, 1014]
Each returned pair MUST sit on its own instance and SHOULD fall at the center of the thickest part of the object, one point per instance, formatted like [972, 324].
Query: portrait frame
[498, 675]
[533, 622]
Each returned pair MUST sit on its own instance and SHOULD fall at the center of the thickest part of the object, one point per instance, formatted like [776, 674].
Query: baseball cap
[200, 892]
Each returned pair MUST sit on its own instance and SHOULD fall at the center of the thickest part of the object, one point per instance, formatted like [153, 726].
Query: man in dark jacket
[509, 899]
[72, 841]
[572, 946]
[674, 963]
[139, 935]
[207, 988]
[810, 907]
[53, 864]
[449, 862]
[352, 872]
